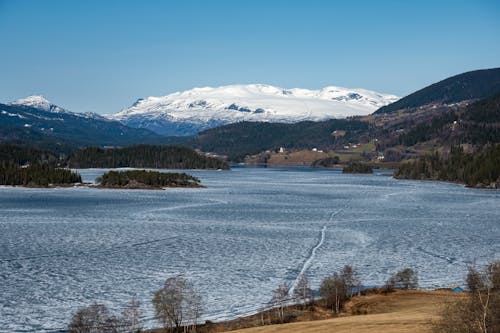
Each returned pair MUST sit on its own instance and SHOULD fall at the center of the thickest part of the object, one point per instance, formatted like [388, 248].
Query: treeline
[12, 155]
[143, 156]
[179, 305]
[37, 175]
[146, 179]
[479, 169]
[357, 167]
[327, 162]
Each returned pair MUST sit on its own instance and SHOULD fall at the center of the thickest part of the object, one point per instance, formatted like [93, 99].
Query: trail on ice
[308, 262]
[320, 242]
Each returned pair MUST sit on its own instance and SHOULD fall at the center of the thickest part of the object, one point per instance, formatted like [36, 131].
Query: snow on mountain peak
[212, 106]
[35, 101]
[39, 102]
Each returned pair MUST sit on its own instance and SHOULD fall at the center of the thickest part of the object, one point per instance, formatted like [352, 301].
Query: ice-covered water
[237, 239]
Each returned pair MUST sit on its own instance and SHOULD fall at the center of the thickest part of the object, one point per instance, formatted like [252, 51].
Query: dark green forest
[249, 138]
[477, 124]
[143, 156]
[37, 175]
[12, 155]
[326, 162]
[146, 179]
[466, 86]
[357, 167]
[479, 169]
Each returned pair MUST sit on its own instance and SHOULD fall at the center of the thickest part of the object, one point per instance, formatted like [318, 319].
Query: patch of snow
[13, 114]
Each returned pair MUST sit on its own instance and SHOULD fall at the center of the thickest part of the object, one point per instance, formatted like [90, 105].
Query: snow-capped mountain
[188, 112]
[36, 120]
[41, 103]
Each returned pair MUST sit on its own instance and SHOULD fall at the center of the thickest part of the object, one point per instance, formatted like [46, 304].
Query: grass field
[401, 312]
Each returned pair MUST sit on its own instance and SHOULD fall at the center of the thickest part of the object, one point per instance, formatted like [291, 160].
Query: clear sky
[102, 55]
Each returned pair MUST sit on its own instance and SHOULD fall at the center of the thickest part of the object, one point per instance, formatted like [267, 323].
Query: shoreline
[310, 314]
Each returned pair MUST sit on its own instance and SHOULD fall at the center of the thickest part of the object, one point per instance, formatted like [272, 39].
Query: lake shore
[399, 311]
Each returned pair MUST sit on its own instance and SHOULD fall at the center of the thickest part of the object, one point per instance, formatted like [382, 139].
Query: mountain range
[191, 111]
[240, 119]
[37, 122]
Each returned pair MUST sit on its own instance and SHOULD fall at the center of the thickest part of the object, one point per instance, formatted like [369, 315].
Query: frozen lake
[251, 229]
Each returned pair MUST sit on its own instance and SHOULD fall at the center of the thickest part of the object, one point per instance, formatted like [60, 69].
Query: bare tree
[480, 311]
[177, 304]
[333, 291]
[130, 319]
[280, 299]
[194, 307]
[351, 280]
[95, 318]
[302, 292]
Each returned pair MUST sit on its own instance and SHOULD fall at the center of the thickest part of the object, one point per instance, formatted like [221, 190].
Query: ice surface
[237, 239]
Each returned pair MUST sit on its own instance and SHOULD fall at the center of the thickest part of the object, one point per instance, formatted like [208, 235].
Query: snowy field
[251, 229]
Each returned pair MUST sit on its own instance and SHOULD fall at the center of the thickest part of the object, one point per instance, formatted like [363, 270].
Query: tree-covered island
[37, 175]
[148, 180]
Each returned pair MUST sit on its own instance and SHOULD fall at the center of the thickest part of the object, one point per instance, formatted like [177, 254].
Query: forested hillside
[246, 138]
[66, 131]
[143, 156]
[11, 155]
[479, 169]
[477, 124]
[466, 86]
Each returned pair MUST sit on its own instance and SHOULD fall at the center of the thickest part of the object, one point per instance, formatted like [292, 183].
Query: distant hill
[467, 86]
[246, 138]
[57, 129]
[477, 124]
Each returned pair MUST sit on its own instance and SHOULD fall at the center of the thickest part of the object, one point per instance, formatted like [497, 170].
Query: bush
[405, 279]
[96, 318]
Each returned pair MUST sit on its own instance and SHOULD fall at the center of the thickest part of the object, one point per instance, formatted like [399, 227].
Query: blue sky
[102, 55]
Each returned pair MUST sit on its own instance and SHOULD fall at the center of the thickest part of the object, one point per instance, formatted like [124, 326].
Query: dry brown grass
[402, 311]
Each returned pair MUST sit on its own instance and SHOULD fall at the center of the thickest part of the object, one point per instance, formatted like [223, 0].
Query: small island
[357, 167]
[146, 180]
[37, 175]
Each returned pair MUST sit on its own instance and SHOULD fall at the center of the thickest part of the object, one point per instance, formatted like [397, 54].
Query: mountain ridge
[470, 85]
[191, 111]
[36, 121]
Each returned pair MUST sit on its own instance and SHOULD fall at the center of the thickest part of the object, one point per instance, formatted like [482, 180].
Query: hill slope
[38, 122]
[466, 86]
[401, 312]
[246, 138]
